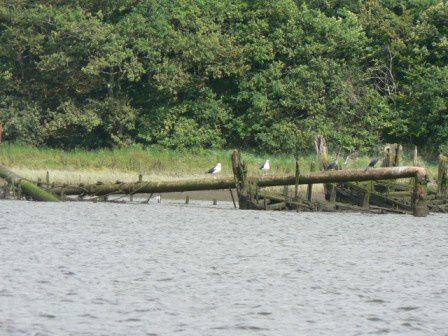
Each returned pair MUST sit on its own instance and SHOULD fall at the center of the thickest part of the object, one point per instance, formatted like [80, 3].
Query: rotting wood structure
[366, 190]
[251, 197]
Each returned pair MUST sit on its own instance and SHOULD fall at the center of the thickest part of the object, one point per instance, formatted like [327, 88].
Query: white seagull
[215, 170]
[265, 166]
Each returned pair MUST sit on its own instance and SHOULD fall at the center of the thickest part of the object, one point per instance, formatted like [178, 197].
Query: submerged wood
[28, 188]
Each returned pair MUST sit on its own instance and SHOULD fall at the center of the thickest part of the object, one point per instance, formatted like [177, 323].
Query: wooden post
[187, 199]
[442, 177]
[419, 197]
[296, 187]
[322, 151]
[333, 194]
[398, 155]
[415, 159]
[19, 192]
[241, 183]
[149, 197]
[392, 155]
[285, 191]
[233, 198]
[366, 199]
[309, 191]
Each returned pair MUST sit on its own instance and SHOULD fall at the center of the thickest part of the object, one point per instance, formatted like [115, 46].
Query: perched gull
[215, 170]
[265, 166]
[372, 163]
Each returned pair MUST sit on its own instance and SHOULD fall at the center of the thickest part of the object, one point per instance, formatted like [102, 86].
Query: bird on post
[215, 170]
[332, 166]
[372, 163]
[265, 166]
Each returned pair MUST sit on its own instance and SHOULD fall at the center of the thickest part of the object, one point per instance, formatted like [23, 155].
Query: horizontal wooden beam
[336, 176]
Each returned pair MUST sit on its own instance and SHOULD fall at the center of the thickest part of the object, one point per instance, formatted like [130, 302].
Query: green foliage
[213, 74]
[23, 122]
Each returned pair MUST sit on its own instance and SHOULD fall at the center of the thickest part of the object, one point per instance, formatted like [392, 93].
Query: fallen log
[28, 188]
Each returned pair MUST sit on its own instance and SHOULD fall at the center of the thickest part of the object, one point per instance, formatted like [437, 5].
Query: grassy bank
[154, 163]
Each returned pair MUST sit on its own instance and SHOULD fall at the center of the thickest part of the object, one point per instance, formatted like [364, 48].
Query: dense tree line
[217, 73]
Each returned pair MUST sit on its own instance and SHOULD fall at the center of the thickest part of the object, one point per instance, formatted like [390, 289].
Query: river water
[174, 269]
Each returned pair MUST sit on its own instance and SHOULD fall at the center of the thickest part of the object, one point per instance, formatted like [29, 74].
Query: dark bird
[372, 163]
[332, 166]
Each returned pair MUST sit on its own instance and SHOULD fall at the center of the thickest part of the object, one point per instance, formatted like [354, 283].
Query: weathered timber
[398, 194]
[322, 151]
[392, 155]
[27, 187]
[296, 186]
[309, 190]
[419, 197]
[273, 199]
[334, 176]
[387, 210]
[355, 194]
[415, 157]
[331, 194]
[276, 206]
[388, 186]
[245, 188]
[233, 198]
[366, 198]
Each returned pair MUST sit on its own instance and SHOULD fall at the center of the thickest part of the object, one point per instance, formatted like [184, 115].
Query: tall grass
[126, 163]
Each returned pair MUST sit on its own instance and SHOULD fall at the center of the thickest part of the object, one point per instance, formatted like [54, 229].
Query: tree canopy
[209, 73]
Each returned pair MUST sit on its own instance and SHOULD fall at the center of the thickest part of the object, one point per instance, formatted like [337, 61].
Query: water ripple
[162, 269]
